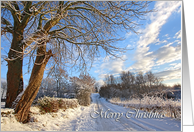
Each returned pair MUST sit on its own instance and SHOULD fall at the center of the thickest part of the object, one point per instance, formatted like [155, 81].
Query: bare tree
[127, 78]
[83, 81]
[49, 86]
[110, 80]
[150, 78]
[84, 85]
[71, 33]
[59, 75]
[158, 83]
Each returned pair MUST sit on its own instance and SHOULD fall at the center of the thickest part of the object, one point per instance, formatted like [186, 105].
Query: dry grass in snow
[165, 106]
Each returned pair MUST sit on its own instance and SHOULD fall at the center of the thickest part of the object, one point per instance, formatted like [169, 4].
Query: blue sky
[157, 48]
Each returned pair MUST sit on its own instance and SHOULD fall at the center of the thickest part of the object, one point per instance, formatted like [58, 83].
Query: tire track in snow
[104, 123]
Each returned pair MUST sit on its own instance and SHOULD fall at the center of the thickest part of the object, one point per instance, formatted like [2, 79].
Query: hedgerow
[48, 104]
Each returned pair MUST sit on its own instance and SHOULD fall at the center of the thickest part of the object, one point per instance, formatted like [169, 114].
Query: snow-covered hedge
[165, 106]
[67, 103]
[48, 104]
[83, 96]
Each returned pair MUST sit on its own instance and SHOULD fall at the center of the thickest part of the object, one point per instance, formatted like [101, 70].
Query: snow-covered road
[99, 116]
[129, 124]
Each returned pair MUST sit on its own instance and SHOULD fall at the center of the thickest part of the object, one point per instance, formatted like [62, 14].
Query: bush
[62, 104]
[68, 103]
[83, 96]
[48, 104]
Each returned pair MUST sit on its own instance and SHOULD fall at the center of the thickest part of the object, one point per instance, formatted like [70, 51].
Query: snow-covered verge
[168, 107]
[67, 120]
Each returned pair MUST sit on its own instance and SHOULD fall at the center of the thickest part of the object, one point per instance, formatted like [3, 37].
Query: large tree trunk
[23, 107]
[14, 74]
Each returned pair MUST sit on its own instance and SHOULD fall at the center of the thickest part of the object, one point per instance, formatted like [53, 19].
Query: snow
[17, 99]
[2, 104]
[33, 9]
[79, 119]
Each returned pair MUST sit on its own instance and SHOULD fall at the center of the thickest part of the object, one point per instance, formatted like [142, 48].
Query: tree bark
[14, 74]
[23, 107]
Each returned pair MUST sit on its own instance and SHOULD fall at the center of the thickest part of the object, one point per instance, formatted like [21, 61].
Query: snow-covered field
[89, 119]
[167, 106]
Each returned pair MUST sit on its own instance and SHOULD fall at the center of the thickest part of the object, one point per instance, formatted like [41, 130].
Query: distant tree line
[128, 85]
[49, 87]
[3, 89]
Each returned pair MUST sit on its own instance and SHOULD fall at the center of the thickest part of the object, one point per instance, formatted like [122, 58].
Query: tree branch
[12, 9]
[27, 14]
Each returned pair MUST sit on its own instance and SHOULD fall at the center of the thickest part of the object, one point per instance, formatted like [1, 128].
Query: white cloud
[169, 74]
[171, 83]
[110, 66]
[148, 53]
[161, 42]
[113, 66]
[168, 44]
[178, 41]
[127, 35]
[150, 35]
[97, 71]
[166, 35]
[174, 66]
[178, 34]
[130, 46]
[145, 64]
[173, 72]
[101, 76]
[167, 54]
[168, 38]
[178, 10]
